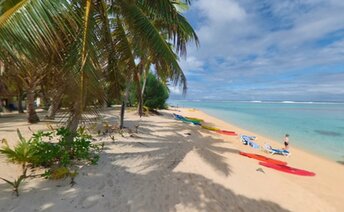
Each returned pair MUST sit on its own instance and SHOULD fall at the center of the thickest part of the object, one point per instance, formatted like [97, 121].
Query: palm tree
[97, 38]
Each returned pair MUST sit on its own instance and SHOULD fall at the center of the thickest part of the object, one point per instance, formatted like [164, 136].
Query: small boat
[287, 169]
[210, 128]
[225, 132]
[263, 158]
[194, 119]
[183, 119]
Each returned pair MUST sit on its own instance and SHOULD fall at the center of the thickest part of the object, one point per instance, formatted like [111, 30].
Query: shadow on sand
[341, 161]
[144, 178]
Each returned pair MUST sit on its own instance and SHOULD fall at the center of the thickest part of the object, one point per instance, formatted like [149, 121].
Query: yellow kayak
[210, 128]
[194, 119]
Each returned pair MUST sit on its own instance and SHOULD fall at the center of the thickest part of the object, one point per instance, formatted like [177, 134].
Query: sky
[265, 50]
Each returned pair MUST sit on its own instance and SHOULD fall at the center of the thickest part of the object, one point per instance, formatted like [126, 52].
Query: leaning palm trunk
[143, 87]
[139, 96]
[54, 106]
[140, 109]
[124, 103]
[73, 122]
[52, 110]
[32, 115]
[46, 99]
[144, 69]
[20, 101]
[121, 124]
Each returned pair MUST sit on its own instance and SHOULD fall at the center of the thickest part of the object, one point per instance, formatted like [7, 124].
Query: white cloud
[175, 90]
[221, 11]
[245, 39]
[191, 65]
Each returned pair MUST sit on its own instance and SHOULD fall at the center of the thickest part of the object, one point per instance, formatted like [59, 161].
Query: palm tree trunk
[54, 106]
[143, 86]
[121, 123]
[46, 99]
[52, 110]
[124, 103]
[143, 68]
[73, 122]
[20, 101]
[139, 96]
[32, 115]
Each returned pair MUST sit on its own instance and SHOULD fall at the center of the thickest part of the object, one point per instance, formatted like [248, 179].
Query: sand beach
[243, 70]
[162, 164]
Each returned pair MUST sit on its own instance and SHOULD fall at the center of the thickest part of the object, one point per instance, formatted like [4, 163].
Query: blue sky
[266, 50]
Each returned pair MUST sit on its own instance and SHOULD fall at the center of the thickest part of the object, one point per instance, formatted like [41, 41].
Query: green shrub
[64, 152]
[21, 154]
[57, 156]
[156, 93]
[40, 151]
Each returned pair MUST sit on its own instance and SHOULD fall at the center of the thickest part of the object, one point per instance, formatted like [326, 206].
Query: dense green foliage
[51, 150]
[82, 54]
[22, 153]
[62, 152]
[39, 150]
[156, 93]
[87, 52]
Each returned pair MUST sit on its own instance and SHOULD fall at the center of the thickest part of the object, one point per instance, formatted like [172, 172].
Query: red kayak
[263, 158]
[225, 132]
[287, 169]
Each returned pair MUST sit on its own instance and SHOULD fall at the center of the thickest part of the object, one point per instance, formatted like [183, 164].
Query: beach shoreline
[261, 136]
[322, 166]
[313, 128]
[169, 165]
[261, 139]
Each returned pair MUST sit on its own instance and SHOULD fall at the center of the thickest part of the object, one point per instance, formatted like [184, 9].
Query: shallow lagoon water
[314, 127]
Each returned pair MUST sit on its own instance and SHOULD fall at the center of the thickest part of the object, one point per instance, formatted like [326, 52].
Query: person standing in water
[286, 141]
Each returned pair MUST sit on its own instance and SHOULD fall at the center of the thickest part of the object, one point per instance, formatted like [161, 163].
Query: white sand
[162, 168]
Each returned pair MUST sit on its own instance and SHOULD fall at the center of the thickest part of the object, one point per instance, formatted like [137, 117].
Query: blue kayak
[183, 119]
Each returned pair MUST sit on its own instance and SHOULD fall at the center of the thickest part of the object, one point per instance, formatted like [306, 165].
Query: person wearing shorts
[286, 141]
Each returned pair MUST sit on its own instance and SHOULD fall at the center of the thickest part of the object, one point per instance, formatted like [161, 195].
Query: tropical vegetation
[89, 51]
[50, 150]
[80, 55]
[155, 93]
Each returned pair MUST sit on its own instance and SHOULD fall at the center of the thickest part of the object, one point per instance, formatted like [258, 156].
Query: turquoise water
[314, 127]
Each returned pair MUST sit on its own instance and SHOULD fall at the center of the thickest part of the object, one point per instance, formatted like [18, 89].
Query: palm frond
[150, 37]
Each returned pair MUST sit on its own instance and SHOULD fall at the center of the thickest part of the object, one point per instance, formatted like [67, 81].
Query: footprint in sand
[107, 205]
[89, 201]
[110, 182]
[102, 185]
[117, 192]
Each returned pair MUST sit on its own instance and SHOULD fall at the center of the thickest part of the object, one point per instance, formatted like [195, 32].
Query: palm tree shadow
[170, 149]
[144, 178]
[161, 190]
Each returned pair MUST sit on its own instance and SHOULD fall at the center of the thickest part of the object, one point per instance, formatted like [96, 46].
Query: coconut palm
[94, 39]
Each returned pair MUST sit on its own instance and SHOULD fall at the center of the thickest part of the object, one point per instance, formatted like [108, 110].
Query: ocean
[313, 126]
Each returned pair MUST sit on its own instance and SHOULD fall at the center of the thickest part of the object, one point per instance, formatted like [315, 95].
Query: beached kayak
[287, 169]
[194, 119]
[182, 118]
[263, 158]
[225, 132]
[210, 128]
